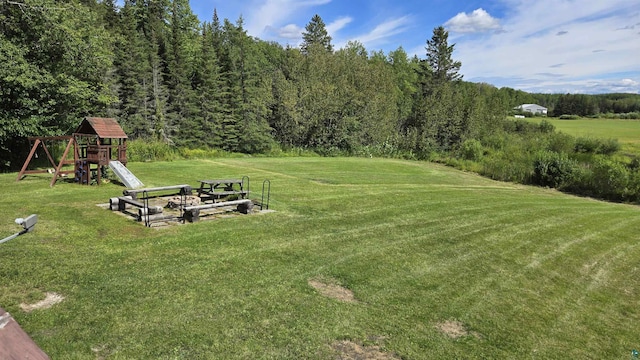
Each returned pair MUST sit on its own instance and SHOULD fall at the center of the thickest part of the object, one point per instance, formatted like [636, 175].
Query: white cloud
[294, 32]
[577, 42]
[338, 24]
[590, 86]
[270, 14]
[291, 31]
[478, 21]
[629, 83]
[381, 32]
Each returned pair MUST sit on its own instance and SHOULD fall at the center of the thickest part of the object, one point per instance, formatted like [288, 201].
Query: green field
[518, 272]
[626, 131]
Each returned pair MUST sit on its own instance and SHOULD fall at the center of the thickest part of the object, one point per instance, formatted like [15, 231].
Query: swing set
[96, 141]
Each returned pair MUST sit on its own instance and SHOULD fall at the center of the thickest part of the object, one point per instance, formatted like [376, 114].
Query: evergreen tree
[316, 35]
[439, 52]
[207, 127]
[133, 74]
[437, 118]
[181, 63]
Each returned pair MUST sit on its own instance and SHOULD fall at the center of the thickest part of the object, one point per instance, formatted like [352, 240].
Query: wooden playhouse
[95, 143]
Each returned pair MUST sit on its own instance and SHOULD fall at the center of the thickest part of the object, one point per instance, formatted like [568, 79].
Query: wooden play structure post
[96, 141]
[42, 141]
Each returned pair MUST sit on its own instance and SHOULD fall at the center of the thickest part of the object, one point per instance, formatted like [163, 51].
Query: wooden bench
[192, 213]
[217, 189]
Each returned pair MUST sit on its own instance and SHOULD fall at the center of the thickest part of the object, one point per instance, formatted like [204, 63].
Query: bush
[546, 126]
[611, 180]
[471, 149]
[504, 168]
[524, 126]
[569, 117]
[634, 165]
[561, 143]
[553, 169]
[586, 145]
[496, 141]
[608, 147]
[590, 145]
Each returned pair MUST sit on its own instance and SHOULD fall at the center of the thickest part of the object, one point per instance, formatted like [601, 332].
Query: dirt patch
[455, 329]
[333, 290]
[49, 300]
[348, 350]
[101, 351]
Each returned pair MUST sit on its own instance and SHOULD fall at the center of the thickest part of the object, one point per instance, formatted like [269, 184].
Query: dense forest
[166, 76]
[170, 78]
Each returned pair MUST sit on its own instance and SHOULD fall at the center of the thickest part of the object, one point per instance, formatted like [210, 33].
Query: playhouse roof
[105, 128]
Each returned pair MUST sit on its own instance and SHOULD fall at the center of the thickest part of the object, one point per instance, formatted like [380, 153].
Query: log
[246, 207]
[113, 203]
[192, 213]
[151, 210]
[215, 205]
[184, 189]
[124, 200]
[157, 217]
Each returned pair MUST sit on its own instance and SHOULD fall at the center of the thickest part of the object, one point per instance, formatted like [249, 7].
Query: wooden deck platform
[15, 344]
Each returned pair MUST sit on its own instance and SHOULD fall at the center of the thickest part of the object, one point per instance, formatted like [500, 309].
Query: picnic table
[222, 188]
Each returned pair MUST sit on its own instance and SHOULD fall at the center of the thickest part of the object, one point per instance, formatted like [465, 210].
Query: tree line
[166, 76]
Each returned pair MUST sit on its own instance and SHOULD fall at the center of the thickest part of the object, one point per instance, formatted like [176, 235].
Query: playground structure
[95, 144]
[179, 203]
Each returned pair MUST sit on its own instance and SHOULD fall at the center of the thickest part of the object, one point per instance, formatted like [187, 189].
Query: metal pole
[13, 236]
[27, 223]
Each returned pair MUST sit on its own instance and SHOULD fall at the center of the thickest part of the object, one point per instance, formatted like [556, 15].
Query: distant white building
[532, 108]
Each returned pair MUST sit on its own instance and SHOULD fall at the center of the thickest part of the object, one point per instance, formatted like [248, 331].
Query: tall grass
[151, 150]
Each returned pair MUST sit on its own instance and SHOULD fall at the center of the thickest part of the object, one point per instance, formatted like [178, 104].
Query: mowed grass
[626, 131]
[529, 272]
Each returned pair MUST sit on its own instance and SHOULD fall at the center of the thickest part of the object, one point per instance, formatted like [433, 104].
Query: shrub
[590, 145]
[561, 143]
[608, 146]
[496, 141]
[579, 181]
[524, 126]
[552, 169]
[504, 168]
[546, 126]
[634, 165]
[471, 149]
[611, 180]
[569, 117]
[586, 145]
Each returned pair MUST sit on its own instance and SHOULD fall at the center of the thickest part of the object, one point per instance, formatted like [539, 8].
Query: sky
[545, 46]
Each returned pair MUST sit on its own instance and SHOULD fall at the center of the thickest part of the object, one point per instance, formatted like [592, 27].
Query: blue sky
[550, 46]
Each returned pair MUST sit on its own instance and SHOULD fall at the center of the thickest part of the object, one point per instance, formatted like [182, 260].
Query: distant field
[440, 264]
[626, 131]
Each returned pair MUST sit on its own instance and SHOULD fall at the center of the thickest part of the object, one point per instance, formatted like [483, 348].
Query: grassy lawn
[626, 131]
[525, 272]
